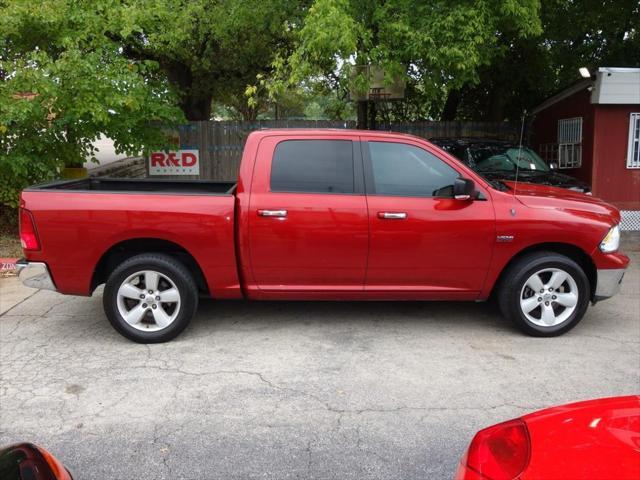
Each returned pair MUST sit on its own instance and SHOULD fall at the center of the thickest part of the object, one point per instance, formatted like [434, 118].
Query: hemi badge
[504, 238]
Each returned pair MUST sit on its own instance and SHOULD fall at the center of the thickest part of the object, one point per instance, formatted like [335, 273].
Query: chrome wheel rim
[549, 297]
[148, 301]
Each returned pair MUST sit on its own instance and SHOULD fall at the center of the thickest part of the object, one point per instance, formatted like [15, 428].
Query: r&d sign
[180, 162]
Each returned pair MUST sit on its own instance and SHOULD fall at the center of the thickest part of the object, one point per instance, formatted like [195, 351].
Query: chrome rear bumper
[609, 282]
[35, 275]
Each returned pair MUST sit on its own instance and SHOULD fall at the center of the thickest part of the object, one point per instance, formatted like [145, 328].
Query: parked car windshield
[499, 158]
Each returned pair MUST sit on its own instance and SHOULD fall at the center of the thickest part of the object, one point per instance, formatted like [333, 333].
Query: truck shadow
[267, 314]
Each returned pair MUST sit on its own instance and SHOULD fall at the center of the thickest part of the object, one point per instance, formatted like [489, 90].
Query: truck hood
[543, 196]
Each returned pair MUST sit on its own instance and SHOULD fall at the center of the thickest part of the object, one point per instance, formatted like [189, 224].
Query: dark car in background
[500, 160]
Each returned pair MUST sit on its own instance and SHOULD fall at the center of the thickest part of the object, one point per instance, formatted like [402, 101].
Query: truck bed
[147, 185]
[80, 222]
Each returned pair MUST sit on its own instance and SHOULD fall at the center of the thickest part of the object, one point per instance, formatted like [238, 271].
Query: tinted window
[400, 169]
[323, 166]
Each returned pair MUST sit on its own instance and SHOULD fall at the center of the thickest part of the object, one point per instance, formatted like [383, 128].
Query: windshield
[500, 158]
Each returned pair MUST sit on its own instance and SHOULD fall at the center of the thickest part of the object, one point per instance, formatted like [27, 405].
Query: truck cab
[364, 217]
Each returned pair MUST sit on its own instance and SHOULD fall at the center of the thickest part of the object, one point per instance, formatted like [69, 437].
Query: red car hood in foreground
[544, 196]
[596, 439]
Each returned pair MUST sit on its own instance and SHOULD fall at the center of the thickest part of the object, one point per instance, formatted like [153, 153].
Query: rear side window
[406, 170]
[315, 166]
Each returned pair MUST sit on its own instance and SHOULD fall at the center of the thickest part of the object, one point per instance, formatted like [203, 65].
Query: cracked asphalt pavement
[326, 390]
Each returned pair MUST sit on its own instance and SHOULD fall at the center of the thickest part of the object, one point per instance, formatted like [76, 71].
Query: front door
[423, 240]
[308, 216]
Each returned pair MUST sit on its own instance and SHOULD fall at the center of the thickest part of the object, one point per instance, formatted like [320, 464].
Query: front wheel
[150, 298]
[545, 294]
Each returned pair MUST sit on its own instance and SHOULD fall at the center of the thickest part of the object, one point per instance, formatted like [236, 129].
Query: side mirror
[463, 189]
[553, 166]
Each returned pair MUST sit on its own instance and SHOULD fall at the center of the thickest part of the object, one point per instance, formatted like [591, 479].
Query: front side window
[313, 166]
[407, 170]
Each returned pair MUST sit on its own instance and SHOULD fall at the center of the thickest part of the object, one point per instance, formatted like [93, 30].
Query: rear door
[308, 228]
[423, 240]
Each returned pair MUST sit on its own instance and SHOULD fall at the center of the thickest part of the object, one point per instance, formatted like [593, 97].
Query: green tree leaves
[207, 49]
[63, 82]
[438, 45]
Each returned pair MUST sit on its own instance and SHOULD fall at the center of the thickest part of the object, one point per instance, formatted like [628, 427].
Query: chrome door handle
[273, 213]
[392, 215]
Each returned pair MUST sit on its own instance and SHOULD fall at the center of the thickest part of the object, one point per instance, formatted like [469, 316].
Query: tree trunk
[194, 102]
[496, 105]
[450, 110]
[496, 112]
[196, 107]
[362, 115]
[249, 114]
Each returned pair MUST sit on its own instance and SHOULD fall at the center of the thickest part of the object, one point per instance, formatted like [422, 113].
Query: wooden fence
[220, 144]
[456, 129]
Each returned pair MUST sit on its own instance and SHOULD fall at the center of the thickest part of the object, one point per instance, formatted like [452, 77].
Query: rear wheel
[545, 294]
[150, 298]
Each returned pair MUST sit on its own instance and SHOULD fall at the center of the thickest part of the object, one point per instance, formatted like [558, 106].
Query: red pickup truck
[323, 215]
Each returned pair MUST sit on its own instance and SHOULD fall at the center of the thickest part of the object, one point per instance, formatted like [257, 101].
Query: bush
[16, 173]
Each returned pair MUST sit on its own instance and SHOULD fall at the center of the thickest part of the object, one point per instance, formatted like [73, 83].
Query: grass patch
[10, 246]
[9, 240]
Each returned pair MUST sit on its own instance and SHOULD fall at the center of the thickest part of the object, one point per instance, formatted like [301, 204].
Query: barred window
[570, 142]
[633, 152]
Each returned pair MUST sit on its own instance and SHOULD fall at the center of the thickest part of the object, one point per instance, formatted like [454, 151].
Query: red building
[592, 131]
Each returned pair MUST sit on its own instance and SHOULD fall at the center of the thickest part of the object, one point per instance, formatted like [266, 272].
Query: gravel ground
[335, 390]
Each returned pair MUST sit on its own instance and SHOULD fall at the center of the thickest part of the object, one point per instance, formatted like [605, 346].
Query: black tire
[512, 285]
[173, 271]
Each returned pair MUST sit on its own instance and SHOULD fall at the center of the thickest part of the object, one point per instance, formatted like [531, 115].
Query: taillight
[500, 452]
[28, 234]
